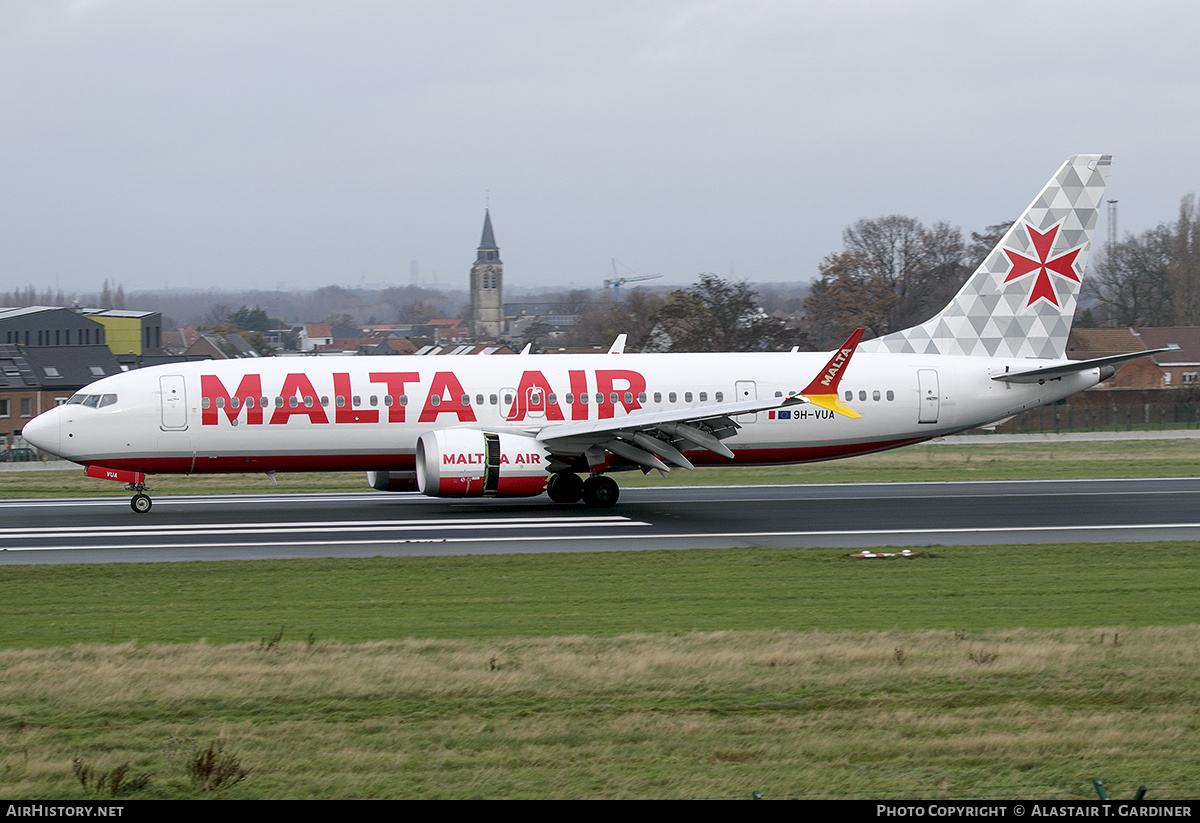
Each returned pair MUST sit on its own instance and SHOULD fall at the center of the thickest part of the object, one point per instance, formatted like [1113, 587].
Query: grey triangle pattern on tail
[1025, 292]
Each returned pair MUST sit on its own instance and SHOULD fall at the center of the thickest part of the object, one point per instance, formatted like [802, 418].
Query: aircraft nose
[43, 431]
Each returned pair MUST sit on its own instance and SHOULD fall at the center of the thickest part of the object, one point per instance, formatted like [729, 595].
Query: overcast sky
[232, 143]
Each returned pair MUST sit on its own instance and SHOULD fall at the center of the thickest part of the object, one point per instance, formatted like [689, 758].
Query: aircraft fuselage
[355, 413]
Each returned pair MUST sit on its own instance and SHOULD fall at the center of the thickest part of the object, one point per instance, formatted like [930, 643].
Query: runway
[104, 530]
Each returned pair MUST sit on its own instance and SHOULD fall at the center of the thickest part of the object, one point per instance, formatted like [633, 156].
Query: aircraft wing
[649, 438]
[658, 438]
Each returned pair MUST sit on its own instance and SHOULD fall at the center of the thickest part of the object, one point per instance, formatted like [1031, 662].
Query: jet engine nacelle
[474, 463]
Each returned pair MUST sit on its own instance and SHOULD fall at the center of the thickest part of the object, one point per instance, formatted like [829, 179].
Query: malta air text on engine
[401, 393]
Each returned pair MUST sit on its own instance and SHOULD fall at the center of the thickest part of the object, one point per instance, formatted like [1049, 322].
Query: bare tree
[1183, 268]
[893, 273]
[716, 315]
[1131, 280]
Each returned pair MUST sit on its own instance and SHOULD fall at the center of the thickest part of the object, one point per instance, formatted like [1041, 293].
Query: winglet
[823, 390]
[618, 346]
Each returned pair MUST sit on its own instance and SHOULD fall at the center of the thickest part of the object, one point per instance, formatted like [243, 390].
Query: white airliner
[518, 426]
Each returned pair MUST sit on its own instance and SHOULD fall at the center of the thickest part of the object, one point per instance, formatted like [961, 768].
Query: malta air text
[404, 398]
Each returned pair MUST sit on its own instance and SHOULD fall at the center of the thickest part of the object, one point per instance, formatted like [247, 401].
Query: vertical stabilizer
[1020, 301]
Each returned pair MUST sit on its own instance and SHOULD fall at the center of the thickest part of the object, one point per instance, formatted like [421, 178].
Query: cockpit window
[76, 399]
[107, 400]
[91, 400]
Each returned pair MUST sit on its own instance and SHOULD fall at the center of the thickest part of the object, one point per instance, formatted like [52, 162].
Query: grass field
[1011, 671]
[1003, 671]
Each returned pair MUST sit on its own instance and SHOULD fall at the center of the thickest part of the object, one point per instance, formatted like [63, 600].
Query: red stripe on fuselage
[402, 462]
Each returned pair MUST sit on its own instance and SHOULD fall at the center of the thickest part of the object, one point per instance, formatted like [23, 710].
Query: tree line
[1151, 279]
[892, 272]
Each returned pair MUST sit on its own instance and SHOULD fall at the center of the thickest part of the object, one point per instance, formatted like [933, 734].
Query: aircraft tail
[1020, 301]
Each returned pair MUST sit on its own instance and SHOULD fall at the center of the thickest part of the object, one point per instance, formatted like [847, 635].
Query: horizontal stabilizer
[1051, 372]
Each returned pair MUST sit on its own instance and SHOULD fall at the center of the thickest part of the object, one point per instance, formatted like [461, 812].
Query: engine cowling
[474, 463]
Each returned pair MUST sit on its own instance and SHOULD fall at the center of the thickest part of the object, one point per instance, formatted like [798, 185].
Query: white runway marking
[745, 537]
[102, 537]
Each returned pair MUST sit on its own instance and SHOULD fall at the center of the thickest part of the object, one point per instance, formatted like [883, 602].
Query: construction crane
[617, 281]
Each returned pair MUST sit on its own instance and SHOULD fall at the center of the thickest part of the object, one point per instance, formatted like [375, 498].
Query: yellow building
[129, 332]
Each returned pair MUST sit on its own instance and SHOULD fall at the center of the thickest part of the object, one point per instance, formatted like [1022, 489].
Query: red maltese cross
[1063, 265]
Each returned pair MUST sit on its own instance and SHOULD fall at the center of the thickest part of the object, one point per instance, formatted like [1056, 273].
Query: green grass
[602, 594]
[936, 461]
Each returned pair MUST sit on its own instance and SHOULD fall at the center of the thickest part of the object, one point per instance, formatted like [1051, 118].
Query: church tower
[487, 292]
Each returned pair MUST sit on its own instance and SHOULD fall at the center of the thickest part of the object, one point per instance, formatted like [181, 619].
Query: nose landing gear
[134, 482]
[141, 501]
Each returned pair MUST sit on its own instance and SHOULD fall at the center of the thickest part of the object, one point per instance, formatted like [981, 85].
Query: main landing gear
[597, 492]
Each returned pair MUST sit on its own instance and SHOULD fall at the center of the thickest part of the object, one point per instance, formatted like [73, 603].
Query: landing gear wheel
[600, 492]
[141, 503]
[565, 487]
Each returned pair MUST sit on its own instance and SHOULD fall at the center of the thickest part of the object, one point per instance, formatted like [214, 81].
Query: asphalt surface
[105, 530]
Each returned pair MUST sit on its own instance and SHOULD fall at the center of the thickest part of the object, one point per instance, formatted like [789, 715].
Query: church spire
[487, 285]
[489, 252]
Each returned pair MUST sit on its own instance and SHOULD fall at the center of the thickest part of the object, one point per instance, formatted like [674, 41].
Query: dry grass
[695, 715]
